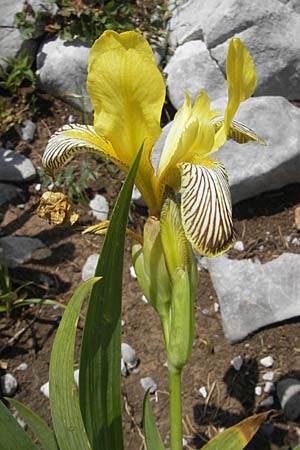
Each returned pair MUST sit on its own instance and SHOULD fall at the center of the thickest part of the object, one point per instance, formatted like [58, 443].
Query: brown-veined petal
[71, 139]
[206, 206]
[238, 131]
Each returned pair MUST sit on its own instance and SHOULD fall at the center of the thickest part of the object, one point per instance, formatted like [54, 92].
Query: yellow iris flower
[127, 91]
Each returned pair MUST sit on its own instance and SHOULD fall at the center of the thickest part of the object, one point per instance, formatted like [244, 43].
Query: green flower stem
[165, 325]
[175, 408]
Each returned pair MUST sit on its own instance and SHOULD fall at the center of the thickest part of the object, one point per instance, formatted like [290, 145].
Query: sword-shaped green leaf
[100, 358]
[152, 436]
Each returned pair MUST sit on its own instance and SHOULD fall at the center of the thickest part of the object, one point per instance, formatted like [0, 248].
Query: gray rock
[88, 270]
[253, 295]
[18, 250]
[11, 41]
[268, 376]
[267, 402]
[288, 392]
[124, 371]
[239, 246]
[62, 71]
[99, 207]
[28, 130]
[129, 356]
[23, 366]
[277, 60]
[9, 384]
[15, 167]
[148, 384]
[9, 193]
[252, 168]
[237, 362]
[191, 68]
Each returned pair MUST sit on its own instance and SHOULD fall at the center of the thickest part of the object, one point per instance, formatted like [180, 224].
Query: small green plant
[74, 186]
[17, 71]
[25, 21]
[11, 299]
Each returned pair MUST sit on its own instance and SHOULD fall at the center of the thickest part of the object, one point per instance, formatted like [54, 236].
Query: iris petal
[206, 207]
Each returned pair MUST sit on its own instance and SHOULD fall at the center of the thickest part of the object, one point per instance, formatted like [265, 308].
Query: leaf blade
[39, 427]
[152, 436]
[99, 373]
[237, 436]
[66, 414]
[12, 436]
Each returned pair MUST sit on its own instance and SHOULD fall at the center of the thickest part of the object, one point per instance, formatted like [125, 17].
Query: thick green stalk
[175, 408]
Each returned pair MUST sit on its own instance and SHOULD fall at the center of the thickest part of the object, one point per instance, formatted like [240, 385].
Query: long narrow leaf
[99, 372]
[12, 436]
[66, 414]
[39, 427]
[152, 436]
[238, 436]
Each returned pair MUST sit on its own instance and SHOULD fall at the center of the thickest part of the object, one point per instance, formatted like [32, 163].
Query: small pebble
[9, 384]
[239, 245]
[258, 390]
[122, 323]
[268, 376]
[267, 402]
[237, 362]
[129, 356]
[132, 272]
[38, 187]
[148, 383]
[28, 130]
[269, 387]
[184, 443]
[76, 377]
[50, 186]
[19, 420]
[268, 361]
[216, 307]
[221, 429]
[295, 241]
[124, 371]
[71, 118]
[205, 311]
[144, 300]
[21, 206]
[23, 366]
[203, 391]
[44, 389]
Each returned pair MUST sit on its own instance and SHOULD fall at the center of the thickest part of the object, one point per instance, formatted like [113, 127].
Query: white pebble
[184, 442]
[76, 377]
[132, 272]
[44, 389]
[239, 245]
[124, 371]
[258, 390]
[129, 356]
[148, 383]
[268, 376]
[8, 384]
[37, 187]
[144, 299]
[71, 118]
[237, 362]
[122, 323]
[269, 387]
[267, 361]
[19, 420]
[267, 402]
[203, 391]
[23, 366]
[216, 307]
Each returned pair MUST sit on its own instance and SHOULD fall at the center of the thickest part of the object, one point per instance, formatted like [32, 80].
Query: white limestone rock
[88, 270]
[191, 68]
[253, 295]
[15, 167]
[273, 44]
[8, 384]
[129, 356]
[62, 71]
[148, 384]
[253, 168]
[99, 207]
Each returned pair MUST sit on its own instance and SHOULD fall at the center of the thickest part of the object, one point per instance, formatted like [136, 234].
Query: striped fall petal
[206, 207]
[238, 132]
[69, 140]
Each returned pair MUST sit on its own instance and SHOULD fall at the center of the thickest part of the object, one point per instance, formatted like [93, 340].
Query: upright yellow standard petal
[241, 81]
[127, 92]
